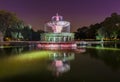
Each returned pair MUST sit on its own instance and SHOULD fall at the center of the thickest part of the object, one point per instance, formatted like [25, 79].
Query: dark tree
[112, 24]
[8, 20]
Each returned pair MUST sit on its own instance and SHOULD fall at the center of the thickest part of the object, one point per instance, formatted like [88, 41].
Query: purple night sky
[78, 12]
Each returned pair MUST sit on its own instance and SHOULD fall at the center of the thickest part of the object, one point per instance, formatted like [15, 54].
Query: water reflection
[107, 44]
[60, 62]
[80, 50]
[82, 64]
[11, 50]
[110, 57]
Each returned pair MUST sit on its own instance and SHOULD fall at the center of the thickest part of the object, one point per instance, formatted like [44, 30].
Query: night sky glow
[78, 12]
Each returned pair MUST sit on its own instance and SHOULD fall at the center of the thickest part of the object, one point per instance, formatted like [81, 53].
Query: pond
[94, 63]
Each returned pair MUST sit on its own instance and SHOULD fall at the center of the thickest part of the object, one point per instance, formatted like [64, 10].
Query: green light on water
[23, 63]
[104, 48]
[32, 55]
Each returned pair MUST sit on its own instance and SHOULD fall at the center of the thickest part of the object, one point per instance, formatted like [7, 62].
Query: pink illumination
[39, 45]
[81, 50]
[57, 45]
[58, 63]
[59, 67]
[57, 24]
[57, 17]
[57, 29]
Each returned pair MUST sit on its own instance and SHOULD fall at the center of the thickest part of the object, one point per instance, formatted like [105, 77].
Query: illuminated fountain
[57, 34]
[57, 25]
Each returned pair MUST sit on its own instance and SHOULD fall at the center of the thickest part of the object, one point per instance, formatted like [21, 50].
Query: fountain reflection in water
[60, 62]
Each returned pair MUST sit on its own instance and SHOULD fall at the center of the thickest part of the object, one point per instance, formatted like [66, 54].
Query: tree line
[109, 29]
[13, 28]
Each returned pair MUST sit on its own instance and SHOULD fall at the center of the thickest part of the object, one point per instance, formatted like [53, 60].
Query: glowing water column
[57, 25]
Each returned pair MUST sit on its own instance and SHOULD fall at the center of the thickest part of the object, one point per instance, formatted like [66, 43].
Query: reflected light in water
[23, 63]
[60, 63]
[105, 48]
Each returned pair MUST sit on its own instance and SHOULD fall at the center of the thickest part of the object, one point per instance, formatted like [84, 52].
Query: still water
[86, 64]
